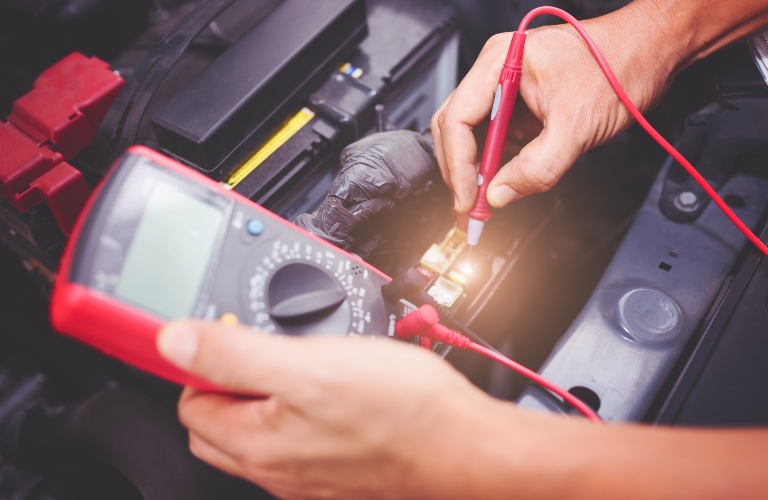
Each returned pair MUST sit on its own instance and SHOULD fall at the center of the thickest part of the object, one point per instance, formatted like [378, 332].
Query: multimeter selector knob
[305, 299]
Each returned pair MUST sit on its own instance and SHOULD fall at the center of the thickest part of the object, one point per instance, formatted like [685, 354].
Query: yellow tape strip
[285, 131]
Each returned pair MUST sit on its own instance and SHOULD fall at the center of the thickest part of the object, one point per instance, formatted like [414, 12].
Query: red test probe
[504, 101]
[501, 112]
[425, 322]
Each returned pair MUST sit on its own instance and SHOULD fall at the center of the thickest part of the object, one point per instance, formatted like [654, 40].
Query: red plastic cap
[416, 323]
[65, 107]
[68, 103]
[21, 163]
[515, 52]
[441, 333]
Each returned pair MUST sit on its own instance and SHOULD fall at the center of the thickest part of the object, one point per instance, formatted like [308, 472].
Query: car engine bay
[623, 284]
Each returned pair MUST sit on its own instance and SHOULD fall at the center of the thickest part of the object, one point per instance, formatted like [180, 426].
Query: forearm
[696, 28]
[653, 40]
[648, 42]
[543, 456]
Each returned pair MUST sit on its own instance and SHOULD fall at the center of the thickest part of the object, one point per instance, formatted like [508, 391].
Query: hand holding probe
[504, 101]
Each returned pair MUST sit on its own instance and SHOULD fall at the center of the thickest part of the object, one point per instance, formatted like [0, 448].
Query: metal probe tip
[474, 230]
[466, 266]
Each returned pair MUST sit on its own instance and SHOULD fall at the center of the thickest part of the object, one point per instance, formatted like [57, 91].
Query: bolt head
[687, 201]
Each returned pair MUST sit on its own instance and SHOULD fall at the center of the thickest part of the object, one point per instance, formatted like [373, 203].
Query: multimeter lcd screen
[152, 238]
[168, 257]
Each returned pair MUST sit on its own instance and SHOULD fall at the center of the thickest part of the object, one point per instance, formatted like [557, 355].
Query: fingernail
[178, 344]
[501, 195]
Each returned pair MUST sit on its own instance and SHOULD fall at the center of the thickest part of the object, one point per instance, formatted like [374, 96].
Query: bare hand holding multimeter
[158, 241]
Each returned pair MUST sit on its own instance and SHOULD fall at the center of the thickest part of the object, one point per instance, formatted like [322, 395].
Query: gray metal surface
[661, 282]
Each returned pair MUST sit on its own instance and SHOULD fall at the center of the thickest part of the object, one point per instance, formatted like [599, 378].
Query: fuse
[440, 257]
[445, 292]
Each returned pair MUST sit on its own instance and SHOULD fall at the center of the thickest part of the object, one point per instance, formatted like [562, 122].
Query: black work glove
[376, 172]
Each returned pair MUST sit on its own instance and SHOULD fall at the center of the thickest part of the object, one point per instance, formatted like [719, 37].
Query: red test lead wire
[582, 407]
[425, 323]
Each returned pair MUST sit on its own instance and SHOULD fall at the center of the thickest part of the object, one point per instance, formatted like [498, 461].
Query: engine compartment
[77, 424]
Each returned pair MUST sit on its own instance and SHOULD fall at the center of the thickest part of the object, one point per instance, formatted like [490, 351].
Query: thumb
[538, 167]
[236, 359]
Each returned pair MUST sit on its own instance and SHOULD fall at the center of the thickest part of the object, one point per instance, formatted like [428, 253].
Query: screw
[381, 118]
[687, 201]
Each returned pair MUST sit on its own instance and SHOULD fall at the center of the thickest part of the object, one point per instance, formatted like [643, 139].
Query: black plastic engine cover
[238, 100]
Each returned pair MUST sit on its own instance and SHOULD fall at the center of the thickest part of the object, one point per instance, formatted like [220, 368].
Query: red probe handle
[503, 104]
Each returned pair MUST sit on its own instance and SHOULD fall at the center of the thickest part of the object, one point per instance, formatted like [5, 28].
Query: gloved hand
[376, 172]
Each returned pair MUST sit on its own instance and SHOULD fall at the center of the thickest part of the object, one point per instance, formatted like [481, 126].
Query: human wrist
[694, 29]
[465, 453]
[635, 44]
[632, 44]
[506, 449]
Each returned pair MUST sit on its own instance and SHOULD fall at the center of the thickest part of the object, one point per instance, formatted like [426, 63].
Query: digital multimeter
[158, 241]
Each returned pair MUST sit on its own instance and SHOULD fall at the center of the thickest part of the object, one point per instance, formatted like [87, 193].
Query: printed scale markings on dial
[345, 272]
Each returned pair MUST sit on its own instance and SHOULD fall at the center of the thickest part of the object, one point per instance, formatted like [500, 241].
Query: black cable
[121, 124]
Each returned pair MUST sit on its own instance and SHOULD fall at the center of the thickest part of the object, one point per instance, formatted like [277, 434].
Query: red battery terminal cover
[50, 124]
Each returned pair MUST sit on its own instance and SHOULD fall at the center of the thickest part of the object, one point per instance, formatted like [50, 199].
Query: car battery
[236, 101]
[397, 78]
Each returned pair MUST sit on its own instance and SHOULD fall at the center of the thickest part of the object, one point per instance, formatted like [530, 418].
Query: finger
[273, 481]
[230, 424]
[470, 104]
[213, 456]
[434, 127]
[198, 409]
[204, 413]
[237, 359]
[460, 151]
[538, 167]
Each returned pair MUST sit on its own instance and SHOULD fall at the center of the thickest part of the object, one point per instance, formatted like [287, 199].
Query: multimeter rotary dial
[303, 297]
[300, 288]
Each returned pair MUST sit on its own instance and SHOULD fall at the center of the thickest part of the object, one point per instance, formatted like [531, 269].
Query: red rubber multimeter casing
[263, 270]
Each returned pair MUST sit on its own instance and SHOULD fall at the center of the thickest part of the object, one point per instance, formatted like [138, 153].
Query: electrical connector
[419, 321]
